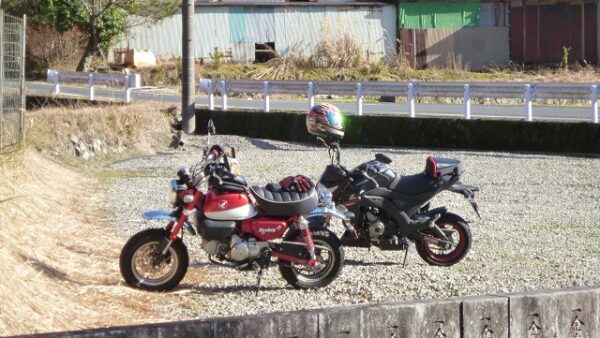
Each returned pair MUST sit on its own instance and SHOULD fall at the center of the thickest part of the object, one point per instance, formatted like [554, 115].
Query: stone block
[297, 324]
[485, 317]
[246, 326]
[391, 320]
[343, 322]
[439, 318]
[570, 313]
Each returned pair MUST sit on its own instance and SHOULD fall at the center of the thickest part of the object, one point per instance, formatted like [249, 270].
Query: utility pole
[188, 96]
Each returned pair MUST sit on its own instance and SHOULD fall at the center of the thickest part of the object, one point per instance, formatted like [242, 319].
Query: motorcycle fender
[462, 188]
[159, 215]
[453, 217]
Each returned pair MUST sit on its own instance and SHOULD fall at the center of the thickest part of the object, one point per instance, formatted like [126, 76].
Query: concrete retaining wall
[565, 313]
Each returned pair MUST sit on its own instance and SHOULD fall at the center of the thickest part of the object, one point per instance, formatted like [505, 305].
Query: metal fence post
[359, 98]
[91, 86]
[1, 74]
[223, 95]
[266, 96]
[410, 92]
[23, 96]
[127, 89]
[311, 95]
[211, 95]
[528, 105]
[595, 104]
[467, 102]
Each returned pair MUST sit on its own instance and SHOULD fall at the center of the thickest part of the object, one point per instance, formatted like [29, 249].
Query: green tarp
[422, 15]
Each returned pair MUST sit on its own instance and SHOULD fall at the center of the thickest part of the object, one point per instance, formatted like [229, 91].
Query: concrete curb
[565, 313]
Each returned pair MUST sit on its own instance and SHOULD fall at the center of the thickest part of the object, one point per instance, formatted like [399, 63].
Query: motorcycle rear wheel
[436, 255]
[136, 261]
[330, 255]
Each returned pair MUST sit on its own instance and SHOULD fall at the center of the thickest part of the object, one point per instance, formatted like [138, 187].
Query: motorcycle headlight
[325, 196]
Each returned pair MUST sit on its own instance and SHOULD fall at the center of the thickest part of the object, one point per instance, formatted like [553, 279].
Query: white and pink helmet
[324, 120]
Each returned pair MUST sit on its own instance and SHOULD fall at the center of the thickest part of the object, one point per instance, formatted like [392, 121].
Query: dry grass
[138, 127]
[58, 271]
[59, 266]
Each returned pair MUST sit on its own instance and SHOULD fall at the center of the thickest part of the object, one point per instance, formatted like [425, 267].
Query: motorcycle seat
[283, 203]
[413, 184]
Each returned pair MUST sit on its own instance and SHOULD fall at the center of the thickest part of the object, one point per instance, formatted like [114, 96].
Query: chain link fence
[12, 80]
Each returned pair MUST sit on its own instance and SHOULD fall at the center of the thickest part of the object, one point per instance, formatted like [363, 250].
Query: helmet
[325, 120]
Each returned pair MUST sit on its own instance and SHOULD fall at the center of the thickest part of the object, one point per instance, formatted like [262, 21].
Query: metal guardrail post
[410, 93]
[91, 87]
[266, 96]
[467, 102]
[223, 95]
[211, 95]
[528, 104]
[311, 95]
[594, 104]
[359, 98]
[127, 89]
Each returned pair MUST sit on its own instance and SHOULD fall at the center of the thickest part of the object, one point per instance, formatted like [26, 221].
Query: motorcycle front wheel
[143, 268]
[330, 257]
[460, 235]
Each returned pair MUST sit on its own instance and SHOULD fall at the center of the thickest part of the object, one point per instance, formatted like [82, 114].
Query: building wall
[539, 32]
[464, 34]
[235, 29]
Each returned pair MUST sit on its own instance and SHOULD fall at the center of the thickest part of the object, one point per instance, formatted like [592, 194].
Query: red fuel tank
[227, 206]
[265, 228]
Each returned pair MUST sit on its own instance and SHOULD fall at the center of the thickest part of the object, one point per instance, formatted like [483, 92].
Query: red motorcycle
[241, 227]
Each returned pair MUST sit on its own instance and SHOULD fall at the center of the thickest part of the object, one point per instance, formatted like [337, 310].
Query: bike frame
[174, 227]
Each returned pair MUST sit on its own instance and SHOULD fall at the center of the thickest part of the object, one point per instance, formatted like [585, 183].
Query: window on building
[263, 52]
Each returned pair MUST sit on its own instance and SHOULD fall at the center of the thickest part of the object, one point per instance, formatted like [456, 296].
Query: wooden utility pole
[188, 107]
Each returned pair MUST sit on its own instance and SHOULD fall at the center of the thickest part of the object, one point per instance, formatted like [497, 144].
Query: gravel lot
[540, 228]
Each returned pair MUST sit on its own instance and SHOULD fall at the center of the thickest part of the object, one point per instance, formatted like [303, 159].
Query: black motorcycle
[391, 209]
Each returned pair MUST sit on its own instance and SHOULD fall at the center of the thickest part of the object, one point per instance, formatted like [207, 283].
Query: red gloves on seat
[298, 183]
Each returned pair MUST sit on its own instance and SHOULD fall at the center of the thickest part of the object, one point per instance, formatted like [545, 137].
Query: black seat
[413, 184]
[283, 203]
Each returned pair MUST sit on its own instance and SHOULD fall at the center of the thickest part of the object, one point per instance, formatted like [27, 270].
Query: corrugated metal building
[541, 28]
[240, 29]
[438, 34]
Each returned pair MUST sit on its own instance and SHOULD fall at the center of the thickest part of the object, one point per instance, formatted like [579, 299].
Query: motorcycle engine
[214, 247]
[385, 234]
[376, 226]
[242, 250]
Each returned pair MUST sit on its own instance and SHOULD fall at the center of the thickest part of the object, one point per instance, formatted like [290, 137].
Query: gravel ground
[540, 228]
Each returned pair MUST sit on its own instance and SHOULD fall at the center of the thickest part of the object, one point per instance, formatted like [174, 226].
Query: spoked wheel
[442, 254]
[330, 257]
[143, 267]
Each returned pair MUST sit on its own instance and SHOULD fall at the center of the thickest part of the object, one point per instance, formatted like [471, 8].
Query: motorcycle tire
[136, 259]
[331, 262]
[435, 255]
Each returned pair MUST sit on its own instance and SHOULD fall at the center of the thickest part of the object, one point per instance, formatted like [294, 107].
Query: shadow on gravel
[207, 290]
[353, 262]
[263, 144]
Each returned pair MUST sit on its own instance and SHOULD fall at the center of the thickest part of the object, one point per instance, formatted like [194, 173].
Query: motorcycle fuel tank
[228, 206]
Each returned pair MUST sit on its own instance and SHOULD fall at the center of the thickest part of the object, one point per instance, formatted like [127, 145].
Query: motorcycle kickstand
[405, 255]
[263, 263]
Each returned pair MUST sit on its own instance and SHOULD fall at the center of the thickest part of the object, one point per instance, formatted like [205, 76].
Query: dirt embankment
[59, 266]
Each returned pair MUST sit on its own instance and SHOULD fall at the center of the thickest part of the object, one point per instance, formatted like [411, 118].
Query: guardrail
[128, 82]
[526, 92]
